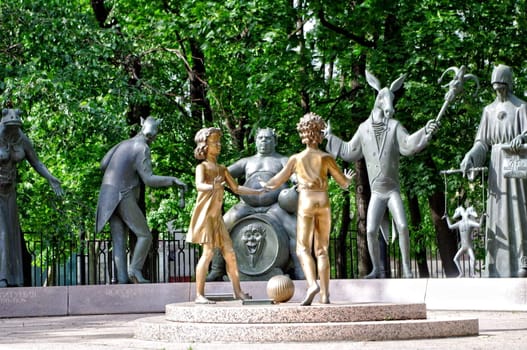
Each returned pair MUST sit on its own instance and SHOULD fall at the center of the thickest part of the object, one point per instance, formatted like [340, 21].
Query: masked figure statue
[253, 236]
[125, 166]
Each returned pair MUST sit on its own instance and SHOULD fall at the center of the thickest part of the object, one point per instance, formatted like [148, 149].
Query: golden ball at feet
[280, 288]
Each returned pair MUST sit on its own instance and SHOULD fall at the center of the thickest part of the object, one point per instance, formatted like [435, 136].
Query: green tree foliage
[58, 70]
[256, 64]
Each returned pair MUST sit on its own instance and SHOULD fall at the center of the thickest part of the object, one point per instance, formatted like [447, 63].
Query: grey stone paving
[498, 330]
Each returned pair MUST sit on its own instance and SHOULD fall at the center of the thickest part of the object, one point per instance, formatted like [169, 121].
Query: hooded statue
[502, 131]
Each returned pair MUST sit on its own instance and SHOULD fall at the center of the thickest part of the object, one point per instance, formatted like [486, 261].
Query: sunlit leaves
[70, 77]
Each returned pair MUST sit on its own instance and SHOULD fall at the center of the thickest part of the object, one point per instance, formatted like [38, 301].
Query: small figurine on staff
[466, 226]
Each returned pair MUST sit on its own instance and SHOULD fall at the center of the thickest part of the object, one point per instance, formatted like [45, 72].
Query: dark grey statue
[125, 166]
[502, 131]
[466, 225]
[381, 140]
[15, 146]
[278, 205]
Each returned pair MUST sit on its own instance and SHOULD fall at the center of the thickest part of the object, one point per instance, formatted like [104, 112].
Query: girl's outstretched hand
[350, 174]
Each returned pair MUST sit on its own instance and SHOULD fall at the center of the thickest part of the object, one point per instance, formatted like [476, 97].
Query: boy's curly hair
[310, 128]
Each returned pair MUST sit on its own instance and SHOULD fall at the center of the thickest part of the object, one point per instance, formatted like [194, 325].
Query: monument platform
[474, 294]
[231, 321]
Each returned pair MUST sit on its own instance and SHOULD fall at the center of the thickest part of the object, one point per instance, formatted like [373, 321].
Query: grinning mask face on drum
[253, 236]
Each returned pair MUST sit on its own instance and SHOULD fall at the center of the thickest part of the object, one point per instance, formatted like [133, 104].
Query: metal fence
[430, 258]
[82, 262]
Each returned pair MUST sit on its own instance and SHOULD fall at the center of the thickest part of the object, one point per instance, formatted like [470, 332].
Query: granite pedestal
[230, 321]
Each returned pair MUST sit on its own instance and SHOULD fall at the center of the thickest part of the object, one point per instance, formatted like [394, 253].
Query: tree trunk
[152, 261]
[304, 60]
[362, 198]
[26, 261]
[446, 239]
[200, 106]
[101, 14]
[131, 64]
[342, 249]
[415, 228]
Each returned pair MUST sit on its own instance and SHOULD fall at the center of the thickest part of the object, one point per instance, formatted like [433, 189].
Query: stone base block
[33, 301]
[233, 322]
[235, 312]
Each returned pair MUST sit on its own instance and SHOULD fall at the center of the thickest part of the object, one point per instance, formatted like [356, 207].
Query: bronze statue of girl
[206, 224]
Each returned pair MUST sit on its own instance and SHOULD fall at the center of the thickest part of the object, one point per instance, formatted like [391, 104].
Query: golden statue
[206, 224]
[312, 167]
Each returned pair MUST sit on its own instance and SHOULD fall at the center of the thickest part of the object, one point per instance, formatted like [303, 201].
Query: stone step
[160, 329]
[233, 322]
[235, 312]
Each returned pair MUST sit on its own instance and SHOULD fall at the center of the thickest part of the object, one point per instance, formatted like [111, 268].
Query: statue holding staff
[381, 140]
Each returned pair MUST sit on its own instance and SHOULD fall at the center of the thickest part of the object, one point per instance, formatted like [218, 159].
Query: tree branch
[359, 40]
[102, 13]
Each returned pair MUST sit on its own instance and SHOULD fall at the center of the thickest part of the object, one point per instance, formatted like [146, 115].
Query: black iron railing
[89, 261]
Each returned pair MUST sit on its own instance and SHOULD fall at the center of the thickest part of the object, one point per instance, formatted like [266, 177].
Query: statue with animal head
[126, 166]
[381, 140]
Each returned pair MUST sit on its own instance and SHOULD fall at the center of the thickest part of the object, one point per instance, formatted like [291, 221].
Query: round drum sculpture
[261, 245]
[280, 289]
[288, 200]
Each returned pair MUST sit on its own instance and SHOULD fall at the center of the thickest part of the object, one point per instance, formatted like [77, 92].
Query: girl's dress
[206, 223]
